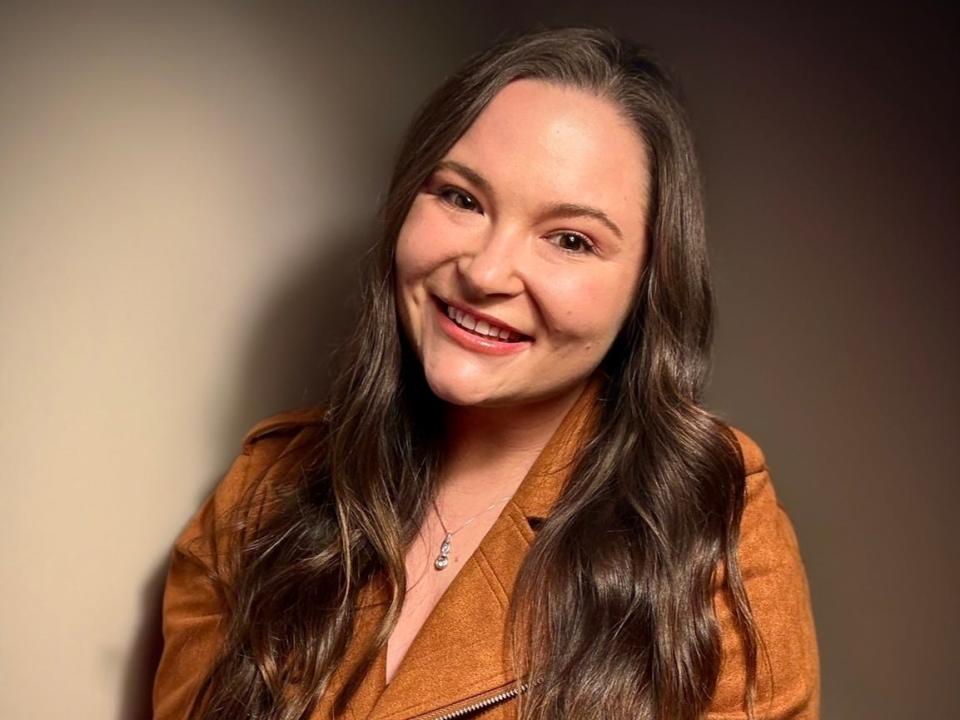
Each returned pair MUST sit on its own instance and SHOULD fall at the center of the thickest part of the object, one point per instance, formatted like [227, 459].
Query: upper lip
[482, 316]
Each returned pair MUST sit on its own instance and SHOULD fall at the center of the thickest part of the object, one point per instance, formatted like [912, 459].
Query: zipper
[482, 704]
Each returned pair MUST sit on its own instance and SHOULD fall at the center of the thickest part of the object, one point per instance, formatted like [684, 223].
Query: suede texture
[458, 658]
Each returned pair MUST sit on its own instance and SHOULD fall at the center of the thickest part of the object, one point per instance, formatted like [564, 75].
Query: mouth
[482, 326]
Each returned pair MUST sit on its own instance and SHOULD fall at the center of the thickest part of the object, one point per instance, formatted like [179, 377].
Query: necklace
[443, 558]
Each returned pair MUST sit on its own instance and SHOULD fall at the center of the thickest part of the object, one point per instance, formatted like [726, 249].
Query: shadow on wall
[286, 365]
[136, 702]
[289, 351]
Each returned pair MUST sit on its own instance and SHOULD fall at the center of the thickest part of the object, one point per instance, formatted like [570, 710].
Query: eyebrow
[562, 209]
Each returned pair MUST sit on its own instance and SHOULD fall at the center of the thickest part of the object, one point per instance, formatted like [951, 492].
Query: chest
[426, 584]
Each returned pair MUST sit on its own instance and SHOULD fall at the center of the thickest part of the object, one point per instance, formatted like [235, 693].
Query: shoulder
[762, 510]
[281, 435]
[282, 426]
[270, 450]
[753, 458]
[766, 532]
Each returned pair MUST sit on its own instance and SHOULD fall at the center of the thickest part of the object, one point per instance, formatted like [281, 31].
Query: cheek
[408, 258]
[588, 309]
[420, 246]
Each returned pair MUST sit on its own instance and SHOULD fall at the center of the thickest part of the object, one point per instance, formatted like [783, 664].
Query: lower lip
[470, 341]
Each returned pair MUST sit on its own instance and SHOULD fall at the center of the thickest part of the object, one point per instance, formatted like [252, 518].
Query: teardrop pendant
[443, 559]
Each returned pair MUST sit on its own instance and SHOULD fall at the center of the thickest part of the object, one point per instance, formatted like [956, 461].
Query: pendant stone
[443, 559]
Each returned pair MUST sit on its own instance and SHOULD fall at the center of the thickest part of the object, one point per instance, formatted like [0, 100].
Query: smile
[480, 334]
[483, 328]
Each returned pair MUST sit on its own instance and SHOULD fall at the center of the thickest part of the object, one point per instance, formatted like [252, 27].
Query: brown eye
[458, 199]
[573, 243]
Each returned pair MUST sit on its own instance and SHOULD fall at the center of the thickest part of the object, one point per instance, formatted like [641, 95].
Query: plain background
[187, 189]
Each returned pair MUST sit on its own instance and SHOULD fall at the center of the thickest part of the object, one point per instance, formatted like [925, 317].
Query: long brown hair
[661, 473]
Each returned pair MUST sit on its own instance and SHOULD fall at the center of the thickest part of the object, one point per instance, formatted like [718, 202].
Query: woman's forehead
[558, 144]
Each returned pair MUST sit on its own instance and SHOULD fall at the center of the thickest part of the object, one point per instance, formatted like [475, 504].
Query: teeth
[480, 327]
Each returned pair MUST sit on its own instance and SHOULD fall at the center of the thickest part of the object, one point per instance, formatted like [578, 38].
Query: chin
[457, 393]
[458, 388]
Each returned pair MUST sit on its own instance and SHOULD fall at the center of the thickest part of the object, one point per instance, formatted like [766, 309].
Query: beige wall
[186, 191]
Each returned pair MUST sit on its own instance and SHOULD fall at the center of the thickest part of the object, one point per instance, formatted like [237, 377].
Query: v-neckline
[385, 652]
[468, 620]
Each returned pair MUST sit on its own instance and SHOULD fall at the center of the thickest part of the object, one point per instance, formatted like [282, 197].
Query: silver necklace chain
[443, 559]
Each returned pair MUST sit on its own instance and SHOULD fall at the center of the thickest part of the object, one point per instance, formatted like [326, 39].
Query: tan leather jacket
[455, 663]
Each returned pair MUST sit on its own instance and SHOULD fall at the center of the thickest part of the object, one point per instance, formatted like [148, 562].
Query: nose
[491, 267]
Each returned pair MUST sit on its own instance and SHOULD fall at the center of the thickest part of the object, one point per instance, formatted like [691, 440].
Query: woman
[512, 505]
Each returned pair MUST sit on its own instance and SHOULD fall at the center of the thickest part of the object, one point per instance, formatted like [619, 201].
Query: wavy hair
[634, 605]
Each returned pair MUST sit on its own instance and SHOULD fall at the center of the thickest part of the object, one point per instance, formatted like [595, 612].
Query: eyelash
[589, 247]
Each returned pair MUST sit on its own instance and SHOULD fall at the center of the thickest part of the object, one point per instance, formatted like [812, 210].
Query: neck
[490, 449]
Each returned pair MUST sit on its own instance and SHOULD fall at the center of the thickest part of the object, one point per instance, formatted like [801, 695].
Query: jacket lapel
[462, 651]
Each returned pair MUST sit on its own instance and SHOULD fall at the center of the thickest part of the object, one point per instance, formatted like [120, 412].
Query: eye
[573, 243]
[458, 198]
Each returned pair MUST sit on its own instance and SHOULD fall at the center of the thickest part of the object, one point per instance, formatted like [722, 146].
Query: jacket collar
[462, 652]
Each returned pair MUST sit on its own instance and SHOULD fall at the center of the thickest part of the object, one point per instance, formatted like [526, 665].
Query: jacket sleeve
[788, 672]
[194, 616]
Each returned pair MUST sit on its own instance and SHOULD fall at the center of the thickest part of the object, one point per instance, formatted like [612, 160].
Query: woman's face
[517, 262]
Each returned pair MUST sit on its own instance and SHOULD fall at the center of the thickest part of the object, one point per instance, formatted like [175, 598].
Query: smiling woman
[513, 504]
